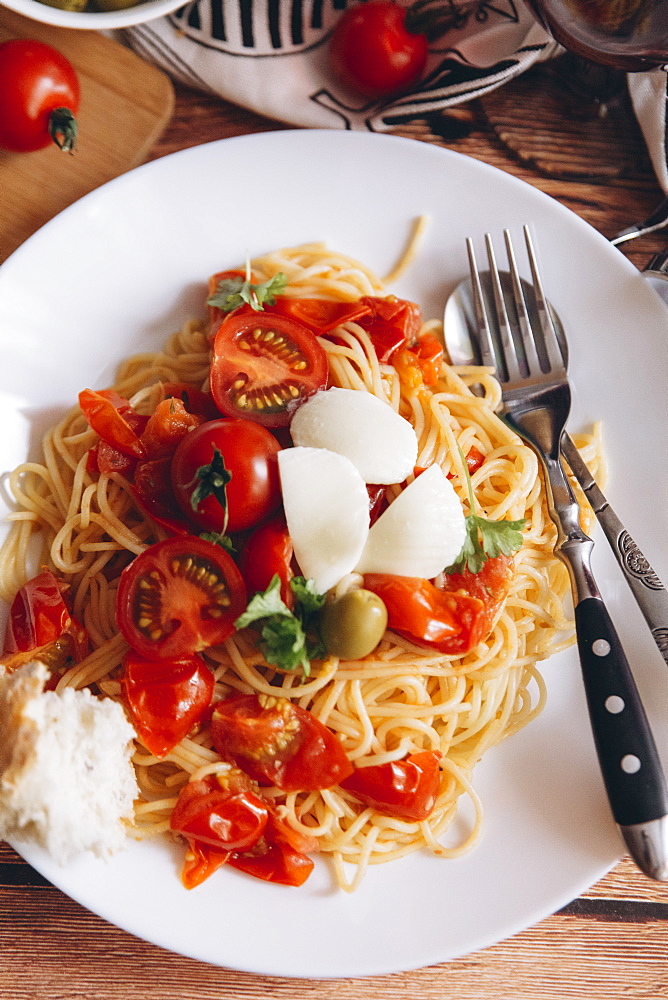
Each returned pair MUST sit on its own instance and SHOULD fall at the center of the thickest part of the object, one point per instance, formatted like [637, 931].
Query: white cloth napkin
[270, 56]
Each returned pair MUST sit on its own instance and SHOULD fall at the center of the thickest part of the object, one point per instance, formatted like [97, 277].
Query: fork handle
[649, 592]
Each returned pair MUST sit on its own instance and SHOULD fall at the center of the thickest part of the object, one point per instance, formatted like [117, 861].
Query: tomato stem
[63, 129]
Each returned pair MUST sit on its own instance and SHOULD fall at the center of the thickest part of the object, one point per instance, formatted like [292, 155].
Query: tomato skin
[267, 552]
[275, 857]
[40, 626]
[250, 455]
[276, 741]
[373, 53]
[406, 788]
[35, 79]
[436, 619]
[319, 315]
[167, 426]
[166, 698]
[178, 597]
[226, 818]
[106, 413]
[264, 366]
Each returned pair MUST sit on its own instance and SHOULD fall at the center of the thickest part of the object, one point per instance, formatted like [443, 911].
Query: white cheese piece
[327, 511]
[420, 533]
[66, 778]
[381, 444]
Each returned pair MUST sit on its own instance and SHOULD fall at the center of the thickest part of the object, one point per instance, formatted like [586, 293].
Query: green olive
[352, 625]
[107, 5]
[73, 5]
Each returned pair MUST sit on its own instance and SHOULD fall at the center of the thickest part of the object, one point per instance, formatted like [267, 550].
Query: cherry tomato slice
[226, 816]
[267, 552]
[275, 858]
[178, 597]
[447, 622]
[264, 366]
[276, 741]
[167, 426]
[106, 414]
[247, 453]
[40, 626]
[406, 788]
[166, 698]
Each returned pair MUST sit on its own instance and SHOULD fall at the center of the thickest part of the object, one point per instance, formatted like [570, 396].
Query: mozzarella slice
[381, 444]
[420, 533]
[327, 511]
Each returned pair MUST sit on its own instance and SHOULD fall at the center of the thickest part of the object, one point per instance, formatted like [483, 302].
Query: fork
[536, 400]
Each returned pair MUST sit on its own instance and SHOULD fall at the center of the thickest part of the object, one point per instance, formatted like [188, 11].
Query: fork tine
[526, 331]
[484, 338]
[508, 351]
[552, 348]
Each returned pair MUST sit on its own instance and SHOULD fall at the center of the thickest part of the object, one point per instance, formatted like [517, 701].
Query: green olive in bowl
[352, 625]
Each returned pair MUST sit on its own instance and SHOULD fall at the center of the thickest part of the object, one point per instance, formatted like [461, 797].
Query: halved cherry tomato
[405, 788]
[166, 698]
[275, 857]
[264, 366]
[41, 627]
[247, 454]
[268, 552]
[168, 424]
[106, 412]
[273, 740]
[220, 811]
[178, 597]
[448, 622]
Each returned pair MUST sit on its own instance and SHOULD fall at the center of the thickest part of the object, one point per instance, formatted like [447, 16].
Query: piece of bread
[66, 779]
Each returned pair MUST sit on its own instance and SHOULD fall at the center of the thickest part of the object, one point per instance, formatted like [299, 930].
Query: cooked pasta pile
[397, 700]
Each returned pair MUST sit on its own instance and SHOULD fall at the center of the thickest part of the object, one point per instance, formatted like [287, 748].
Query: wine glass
[584, 91]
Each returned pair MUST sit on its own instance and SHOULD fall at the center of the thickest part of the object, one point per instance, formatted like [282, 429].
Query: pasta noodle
[398, 699]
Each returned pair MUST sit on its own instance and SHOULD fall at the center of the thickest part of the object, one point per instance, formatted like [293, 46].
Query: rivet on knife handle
[649, 592]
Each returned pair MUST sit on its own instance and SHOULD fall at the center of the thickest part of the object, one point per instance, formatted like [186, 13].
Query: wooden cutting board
[125, 105]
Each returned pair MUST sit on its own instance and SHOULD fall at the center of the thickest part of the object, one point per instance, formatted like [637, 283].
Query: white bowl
[147, 10]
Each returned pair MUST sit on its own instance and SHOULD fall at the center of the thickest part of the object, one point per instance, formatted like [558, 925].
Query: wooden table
[612, 942]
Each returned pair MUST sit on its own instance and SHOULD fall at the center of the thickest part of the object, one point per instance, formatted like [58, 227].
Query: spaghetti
[399, 699]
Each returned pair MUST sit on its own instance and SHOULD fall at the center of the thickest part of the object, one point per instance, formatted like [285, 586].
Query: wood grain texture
[125, 104]
[609, 944]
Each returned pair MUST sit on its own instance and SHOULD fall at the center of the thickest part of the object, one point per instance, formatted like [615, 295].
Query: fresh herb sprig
[234, 292]
[289, 639]
[485, 539]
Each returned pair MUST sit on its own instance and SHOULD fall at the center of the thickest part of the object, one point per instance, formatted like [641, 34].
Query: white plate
[120, 270]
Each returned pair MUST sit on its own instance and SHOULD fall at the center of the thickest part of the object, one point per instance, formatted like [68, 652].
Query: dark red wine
[630, 35]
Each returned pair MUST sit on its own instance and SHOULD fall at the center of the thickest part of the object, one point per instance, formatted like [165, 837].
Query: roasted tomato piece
[405, 788]
[278, 856]
[107, 413]
[152, 489]
[221, 811]
[276, 741]
[490, 586]
[200, 862]
[264, 366]
[320, 315]
[40, 626]
[217, 315]
[448, 622]
[225, 475]
[168, 424]
[166, 698]
[178, 597]
[267, 552]
[391, 323]
[195, 400]
[429, 353]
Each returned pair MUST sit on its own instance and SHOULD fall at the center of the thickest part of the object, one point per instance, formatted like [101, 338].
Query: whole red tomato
[373, 52]
[39, 97]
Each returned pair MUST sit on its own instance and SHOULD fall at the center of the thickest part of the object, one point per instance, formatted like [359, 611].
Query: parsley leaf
[233, 292]
[485, 539]
[289, 639]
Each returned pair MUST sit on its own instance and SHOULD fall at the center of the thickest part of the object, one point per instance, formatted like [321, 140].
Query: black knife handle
[626, 750]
